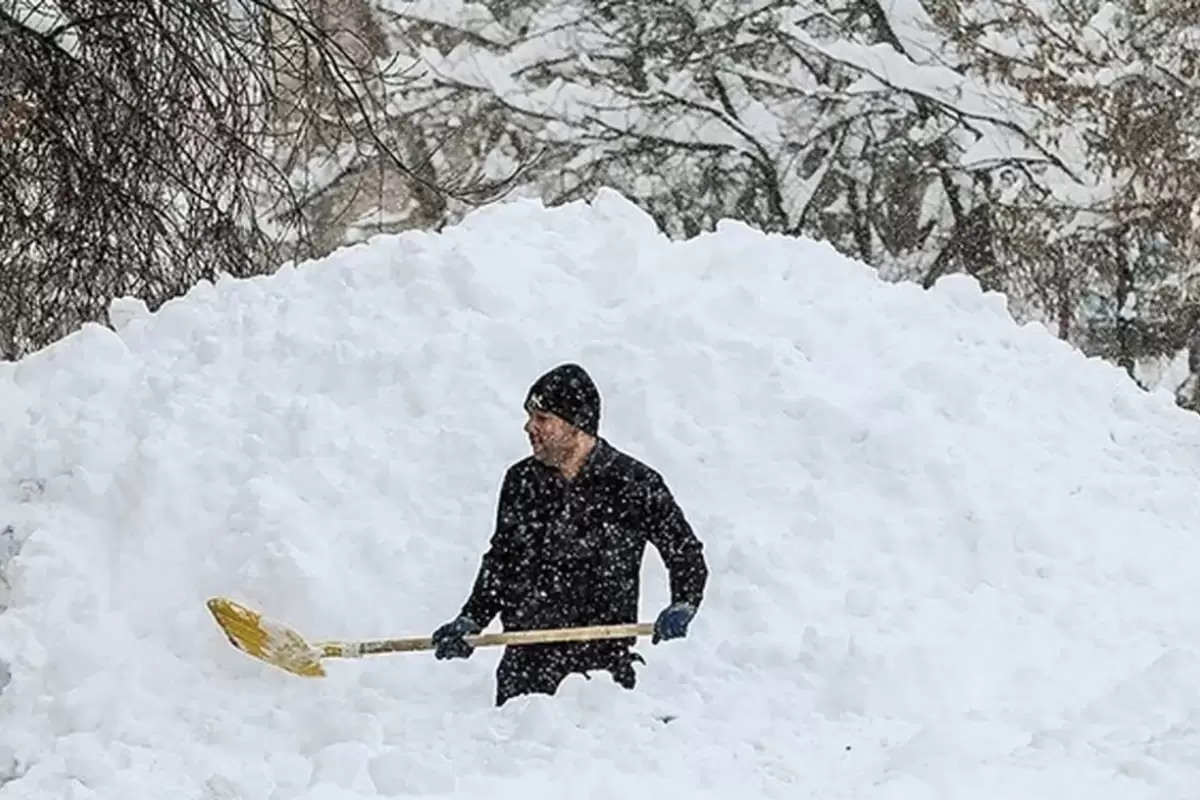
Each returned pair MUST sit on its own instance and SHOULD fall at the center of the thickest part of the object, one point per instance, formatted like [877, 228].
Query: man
[572, 524]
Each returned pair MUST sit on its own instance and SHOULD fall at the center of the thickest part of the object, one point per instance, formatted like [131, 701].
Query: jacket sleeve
[681, 550]
[494, 579]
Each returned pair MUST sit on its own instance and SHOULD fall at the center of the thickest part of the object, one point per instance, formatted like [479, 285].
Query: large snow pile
[950, 556]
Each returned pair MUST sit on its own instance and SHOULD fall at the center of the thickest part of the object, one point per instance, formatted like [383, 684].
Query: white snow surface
[951, 557]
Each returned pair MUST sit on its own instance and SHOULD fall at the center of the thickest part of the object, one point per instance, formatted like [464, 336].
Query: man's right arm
[494, 577]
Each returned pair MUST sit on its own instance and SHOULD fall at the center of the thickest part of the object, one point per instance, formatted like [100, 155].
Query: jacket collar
[600, 458]
[597, 461]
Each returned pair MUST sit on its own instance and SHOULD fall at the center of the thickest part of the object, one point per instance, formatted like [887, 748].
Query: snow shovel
[283, 647]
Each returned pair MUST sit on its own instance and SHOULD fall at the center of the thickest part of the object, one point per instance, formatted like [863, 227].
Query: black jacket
[566, 553]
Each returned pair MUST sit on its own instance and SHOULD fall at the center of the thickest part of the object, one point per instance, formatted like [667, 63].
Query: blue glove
[448, 641]
[673, 622]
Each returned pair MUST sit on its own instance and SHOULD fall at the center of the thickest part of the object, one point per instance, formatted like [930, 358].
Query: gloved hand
[448, 639]
[673, 622]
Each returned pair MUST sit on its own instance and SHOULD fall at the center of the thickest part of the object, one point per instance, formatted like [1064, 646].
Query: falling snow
[949, 555]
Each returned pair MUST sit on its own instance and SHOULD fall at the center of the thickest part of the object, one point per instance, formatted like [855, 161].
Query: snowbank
[951, 556]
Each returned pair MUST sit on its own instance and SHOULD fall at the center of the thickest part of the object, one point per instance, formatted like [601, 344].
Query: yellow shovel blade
[265, 640]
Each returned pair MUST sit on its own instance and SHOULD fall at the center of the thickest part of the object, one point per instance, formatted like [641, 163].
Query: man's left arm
[682, 552]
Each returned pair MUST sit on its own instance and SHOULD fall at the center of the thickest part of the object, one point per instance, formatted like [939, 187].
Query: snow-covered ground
[951, 557]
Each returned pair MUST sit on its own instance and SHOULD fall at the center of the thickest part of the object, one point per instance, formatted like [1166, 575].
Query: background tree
[1107, 247]
[149, 144]
[1046, 147]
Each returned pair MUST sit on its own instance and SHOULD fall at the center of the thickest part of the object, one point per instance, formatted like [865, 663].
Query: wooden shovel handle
[588, 633]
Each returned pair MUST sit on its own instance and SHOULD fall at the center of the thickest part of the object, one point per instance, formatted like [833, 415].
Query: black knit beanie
[568, 392]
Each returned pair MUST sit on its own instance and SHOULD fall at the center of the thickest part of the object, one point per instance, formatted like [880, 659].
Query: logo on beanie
[535, 401]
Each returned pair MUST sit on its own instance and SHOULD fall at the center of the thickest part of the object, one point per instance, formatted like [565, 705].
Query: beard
[551, 452]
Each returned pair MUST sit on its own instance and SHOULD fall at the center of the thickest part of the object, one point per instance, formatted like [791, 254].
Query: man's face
[550, 437]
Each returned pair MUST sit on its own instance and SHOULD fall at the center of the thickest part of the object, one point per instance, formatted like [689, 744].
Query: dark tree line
[149, 144]
[1048, 149]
